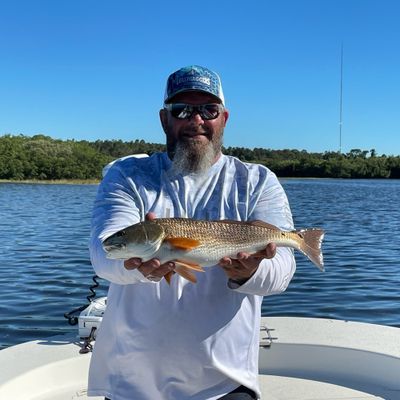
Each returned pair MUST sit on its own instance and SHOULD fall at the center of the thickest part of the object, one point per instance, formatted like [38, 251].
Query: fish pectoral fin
[185, 272]
[185, 264]
[168, 277]
[182, 243]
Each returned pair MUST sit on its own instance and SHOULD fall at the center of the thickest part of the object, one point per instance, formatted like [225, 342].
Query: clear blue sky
[93, 69]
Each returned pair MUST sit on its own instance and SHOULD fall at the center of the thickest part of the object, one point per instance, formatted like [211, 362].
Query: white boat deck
[285, 388]
[308, 359]
[329, 359]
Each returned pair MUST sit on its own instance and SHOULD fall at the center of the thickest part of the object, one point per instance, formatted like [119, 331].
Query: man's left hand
[240, 269]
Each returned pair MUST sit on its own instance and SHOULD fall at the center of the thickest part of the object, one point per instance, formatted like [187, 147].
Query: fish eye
[120, 233]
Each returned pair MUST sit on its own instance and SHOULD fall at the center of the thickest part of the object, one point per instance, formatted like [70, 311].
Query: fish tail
[311, 245]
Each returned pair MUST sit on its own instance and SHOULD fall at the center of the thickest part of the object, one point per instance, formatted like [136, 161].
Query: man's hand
[151, 269]
[240, 269]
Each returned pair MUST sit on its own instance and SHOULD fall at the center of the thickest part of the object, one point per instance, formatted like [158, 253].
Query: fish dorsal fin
[185, 272]
[263, 224]
[182, 243]
[257, 222]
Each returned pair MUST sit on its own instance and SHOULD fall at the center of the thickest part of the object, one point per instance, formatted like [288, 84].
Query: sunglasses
[185, 111]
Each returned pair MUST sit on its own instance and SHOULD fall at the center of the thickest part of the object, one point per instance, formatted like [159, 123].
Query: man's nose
[196, 117]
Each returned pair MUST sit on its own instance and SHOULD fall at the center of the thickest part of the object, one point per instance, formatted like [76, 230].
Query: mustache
[191, 134]
[195, 130]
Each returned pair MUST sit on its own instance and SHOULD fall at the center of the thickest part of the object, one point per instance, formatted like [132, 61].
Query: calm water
[45, 269]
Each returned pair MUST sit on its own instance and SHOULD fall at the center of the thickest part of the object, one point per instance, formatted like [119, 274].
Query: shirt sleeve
[273, 275]
[117, 206]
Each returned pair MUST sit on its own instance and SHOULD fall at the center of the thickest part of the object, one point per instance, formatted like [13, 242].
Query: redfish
[193, 244]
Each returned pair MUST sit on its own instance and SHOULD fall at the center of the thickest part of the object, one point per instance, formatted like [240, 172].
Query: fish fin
[182, 243]
[311, 245]
[252, 223]
[185, 272]
[260, 253]
[263, 224]
[195, 267]
[168, 277]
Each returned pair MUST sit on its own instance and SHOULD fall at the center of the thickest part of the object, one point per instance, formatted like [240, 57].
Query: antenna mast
[341, 100]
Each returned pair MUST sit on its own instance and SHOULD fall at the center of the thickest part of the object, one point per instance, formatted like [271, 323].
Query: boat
[300, 358]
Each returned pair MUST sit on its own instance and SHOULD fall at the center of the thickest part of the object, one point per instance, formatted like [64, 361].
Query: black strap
[240, 393]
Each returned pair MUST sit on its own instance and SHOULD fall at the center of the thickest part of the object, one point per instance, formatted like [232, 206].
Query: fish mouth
[110, 247]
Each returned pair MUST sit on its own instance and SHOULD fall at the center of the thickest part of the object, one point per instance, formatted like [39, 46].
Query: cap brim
[170, 98]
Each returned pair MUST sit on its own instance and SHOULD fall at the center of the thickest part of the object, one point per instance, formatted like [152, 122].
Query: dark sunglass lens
[210, 111]
[178, 110]
[181, 111]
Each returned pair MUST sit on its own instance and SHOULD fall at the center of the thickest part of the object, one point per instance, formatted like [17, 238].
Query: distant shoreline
[44, 159]
[54, 182]
[97, 182]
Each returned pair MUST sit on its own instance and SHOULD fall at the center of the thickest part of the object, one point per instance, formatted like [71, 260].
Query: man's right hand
[152, 269]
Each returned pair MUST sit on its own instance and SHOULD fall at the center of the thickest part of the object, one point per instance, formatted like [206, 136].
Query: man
[186, 341]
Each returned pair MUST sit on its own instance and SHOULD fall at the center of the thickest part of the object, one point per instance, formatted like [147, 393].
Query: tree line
[41, 157]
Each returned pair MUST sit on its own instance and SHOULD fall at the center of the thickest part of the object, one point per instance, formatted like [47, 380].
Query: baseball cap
[194, 77]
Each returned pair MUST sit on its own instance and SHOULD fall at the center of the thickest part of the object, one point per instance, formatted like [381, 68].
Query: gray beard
[194, 157]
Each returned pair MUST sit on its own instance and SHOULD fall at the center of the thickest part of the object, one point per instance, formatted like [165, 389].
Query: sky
[95, 69]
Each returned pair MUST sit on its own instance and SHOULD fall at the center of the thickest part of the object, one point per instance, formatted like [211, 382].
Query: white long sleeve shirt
[184, 341]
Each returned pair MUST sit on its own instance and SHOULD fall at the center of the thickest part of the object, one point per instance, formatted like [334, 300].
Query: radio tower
[341, 100]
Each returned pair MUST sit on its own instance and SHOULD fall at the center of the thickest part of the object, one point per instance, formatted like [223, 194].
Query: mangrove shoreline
[42, 159]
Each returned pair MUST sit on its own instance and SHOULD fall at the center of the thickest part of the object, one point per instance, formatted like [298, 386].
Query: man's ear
[226, 116]
[164, 119]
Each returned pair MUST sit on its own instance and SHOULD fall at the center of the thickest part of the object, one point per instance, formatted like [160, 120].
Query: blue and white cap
[194, 77]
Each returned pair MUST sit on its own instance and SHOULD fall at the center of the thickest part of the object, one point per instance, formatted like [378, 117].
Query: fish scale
[218, 236]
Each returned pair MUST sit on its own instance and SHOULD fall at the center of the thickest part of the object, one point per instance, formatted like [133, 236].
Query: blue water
[45, 269]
